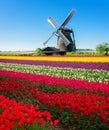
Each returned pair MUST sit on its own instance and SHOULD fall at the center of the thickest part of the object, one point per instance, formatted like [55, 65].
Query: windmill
[66, 41]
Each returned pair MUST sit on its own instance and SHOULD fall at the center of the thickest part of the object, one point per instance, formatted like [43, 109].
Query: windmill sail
[52, 22]
[68, 18]
[49, 39]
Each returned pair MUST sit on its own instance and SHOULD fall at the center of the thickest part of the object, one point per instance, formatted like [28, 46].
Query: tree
[103, 48]
[38, 51]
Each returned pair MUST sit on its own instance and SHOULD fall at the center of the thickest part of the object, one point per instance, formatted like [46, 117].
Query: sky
[24, 26]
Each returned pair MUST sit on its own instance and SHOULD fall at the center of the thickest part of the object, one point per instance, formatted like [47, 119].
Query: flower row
[14, 115]
[60, 58]
[82, 74]
[86, 65]
[73, 84]
[81, 105]
[72, 108]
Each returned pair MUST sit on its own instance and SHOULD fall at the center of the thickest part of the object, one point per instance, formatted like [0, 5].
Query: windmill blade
[52, 22]
[68, 18]
[49, 38]
[66, 41]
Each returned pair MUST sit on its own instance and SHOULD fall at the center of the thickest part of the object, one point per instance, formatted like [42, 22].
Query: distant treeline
[38, 52]
[84, 49]
[101, 49]
[16, 53]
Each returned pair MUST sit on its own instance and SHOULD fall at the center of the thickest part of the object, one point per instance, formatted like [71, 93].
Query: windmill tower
[66, 40]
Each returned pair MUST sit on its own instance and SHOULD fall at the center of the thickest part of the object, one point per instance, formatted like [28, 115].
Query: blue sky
[24, 26]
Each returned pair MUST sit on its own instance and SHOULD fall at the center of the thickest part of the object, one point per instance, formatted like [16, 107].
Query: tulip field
[46, 92]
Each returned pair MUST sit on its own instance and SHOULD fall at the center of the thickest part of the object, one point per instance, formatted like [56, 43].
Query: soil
[61, 126]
